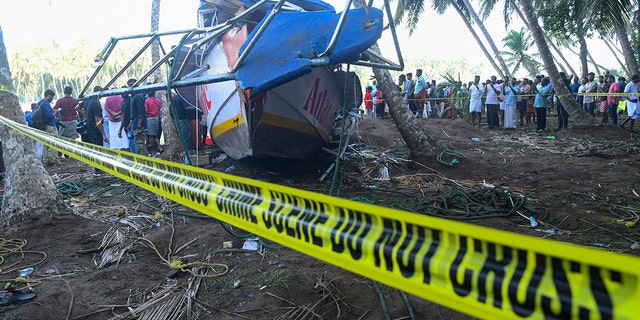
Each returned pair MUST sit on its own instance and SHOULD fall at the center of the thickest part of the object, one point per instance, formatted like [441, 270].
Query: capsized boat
[267, 75]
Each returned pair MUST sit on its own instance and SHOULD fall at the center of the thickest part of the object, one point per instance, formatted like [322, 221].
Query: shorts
[475, 106]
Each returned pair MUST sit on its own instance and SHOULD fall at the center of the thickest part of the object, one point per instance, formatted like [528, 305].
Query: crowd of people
[512, 102]
[124, 122]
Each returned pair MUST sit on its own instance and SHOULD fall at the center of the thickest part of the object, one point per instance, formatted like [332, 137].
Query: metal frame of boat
[200, 40]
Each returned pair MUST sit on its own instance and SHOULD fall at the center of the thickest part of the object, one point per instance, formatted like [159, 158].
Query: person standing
[182, 109]
[563, 115]
[525, 90]
[589, 87]
[152, 109]
[50, 120]
[493, 90]
[138, 120]
[409, 98]
[113, 108]
[380, 104]
[541, 104]
[66, 108]
[511, 89]
[613, 100]
[632, 102]
[95, 129]
[420, 92]
[368, 101]
[530, 116]
[476, 90]
[125, 123]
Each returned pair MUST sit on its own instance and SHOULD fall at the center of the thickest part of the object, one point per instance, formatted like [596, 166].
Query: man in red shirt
[613, 101]
[66, 108]
[152, 108]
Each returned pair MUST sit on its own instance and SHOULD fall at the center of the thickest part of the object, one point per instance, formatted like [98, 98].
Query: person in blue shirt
[48, 156]
[511, 89]
[541, 103]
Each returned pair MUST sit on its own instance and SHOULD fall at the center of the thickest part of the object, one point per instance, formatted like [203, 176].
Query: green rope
[466, 203]
[383, 302]
[407, 303]
[69, 189]
[345, 112]
[454, 154]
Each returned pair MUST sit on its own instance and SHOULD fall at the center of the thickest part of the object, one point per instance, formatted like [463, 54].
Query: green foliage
[275, 278]
[518, 45]
[51, 66]
[432, 69]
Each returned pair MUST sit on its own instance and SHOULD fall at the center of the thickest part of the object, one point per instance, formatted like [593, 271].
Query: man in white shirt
[476, 90]
[493, 90]
[588, 89]
[632, 102]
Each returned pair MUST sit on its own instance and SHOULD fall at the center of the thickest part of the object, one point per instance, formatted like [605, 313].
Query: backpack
[37, 120]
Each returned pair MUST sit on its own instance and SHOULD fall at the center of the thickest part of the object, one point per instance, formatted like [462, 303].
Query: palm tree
[420, 142]
[616, 17]
[577, 113]
[412, 9]
[170, 136]
[518, 43]
[510, 5]
[488, 37]
[29, 191]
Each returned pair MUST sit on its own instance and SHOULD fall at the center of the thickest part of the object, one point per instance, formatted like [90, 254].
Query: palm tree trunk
[593, 61]
[494, 48]
[547, 40]
[478, 40]
[627, 50]
[576, 112]
[421, 143]
[29, 191]
[615, 54]
[172, 144]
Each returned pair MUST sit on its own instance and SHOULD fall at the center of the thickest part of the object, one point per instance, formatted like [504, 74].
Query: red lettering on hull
[318, 105]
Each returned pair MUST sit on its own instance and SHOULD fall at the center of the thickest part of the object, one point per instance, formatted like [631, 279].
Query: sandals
[15, 296]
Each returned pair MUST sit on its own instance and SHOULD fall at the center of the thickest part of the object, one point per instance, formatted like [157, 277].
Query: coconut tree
[518, 43]
[576, 112]
[29, 192]
[172, 143]
[420, 142]
[411, 10]
[511, 6]
[496, 53]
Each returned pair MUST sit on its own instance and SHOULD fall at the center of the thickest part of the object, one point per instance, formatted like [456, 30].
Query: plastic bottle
[229, 169]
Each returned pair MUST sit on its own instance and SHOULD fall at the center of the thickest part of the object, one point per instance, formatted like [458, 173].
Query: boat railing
[373, 58]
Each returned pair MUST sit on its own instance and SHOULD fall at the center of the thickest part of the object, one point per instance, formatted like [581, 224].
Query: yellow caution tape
[483, 272]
